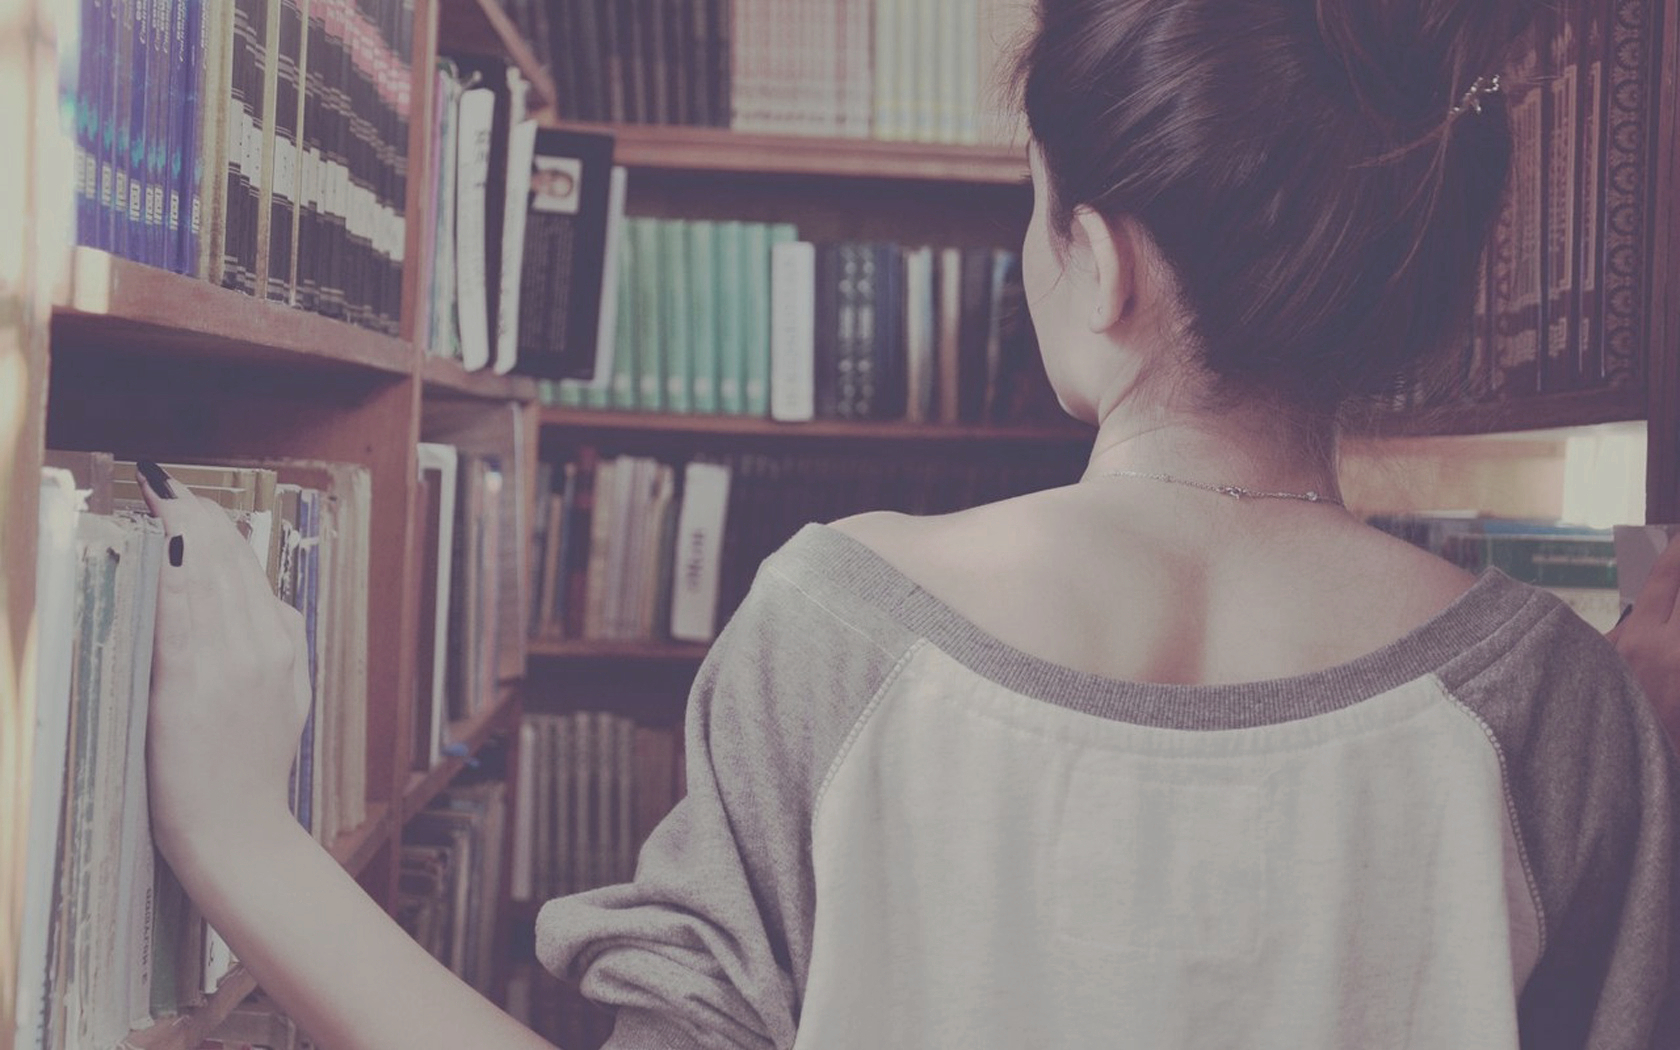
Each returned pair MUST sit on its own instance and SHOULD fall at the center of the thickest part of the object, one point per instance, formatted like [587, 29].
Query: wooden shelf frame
[704, 149]
[470, 734]
[640, 651]
[445, 377]
[608, 422]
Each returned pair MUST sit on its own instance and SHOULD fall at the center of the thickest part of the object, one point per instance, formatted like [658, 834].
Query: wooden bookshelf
[116, 302]
[483, 27]
[468, 734]
[639, 651]
[699, 149]
[1539, 412]
[697, 426]
[187, 1031]
[445, 377]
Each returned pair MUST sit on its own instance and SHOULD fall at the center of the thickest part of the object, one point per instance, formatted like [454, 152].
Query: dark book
[865, 388]
[887, 344]
[1594, 107]
[633, 63]
[679, 57]
[244, 146]
[973, 330]
[699, 55]
[591, 72]
[825, 352]
[283, 172]
[1561, 54]
[610, 17]
[655, 61]
[565, 252]
[719, 22]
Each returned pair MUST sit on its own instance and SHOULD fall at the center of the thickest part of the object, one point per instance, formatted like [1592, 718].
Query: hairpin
[1472, 99]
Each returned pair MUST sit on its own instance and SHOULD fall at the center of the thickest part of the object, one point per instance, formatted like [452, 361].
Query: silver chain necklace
[1234, 491]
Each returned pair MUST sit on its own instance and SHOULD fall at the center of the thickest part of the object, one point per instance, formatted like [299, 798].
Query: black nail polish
[156, 478]
[177, 550]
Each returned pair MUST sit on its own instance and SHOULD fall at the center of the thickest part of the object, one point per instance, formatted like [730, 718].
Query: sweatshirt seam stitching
[856, 730]
[1511, 814]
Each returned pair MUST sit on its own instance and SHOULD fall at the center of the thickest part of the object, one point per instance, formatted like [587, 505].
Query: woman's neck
[1254, 447]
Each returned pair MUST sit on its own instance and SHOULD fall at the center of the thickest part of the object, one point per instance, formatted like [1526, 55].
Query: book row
[259, 144]
[1575, 563]
[450, 877]
[110, 941]
[591, 786]
[925, 70]
[633, 548]
[258, 1024]
[514, 255]
[1560, 301]
[469, 561]
[740, 318]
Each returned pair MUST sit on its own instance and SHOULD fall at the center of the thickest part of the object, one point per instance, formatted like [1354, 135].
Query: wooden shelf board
[1572, 408]
[581, 649]
[442, 375]
[824, 429]
[129, 306]
[424, 785]
[681, 148]
[188, 1030]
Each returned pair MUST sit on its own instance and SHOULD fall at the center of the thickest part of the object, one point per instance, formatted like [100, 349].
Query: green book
[649, 365]
[757, 269]
[728, 289]
[620, 391]
[675, 327]
[702, 316]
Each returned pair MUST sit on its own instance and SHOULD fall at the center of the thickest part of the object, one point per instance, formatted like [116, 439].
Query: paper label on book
[285, 169]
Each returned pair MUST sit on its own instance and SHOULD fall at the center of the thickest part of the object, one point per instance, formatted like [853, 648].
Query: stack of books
[635, 549]
[888, 69]
[259, 144]
[514, 259]
[590, 789]
[469, 562]
[110, 942]
[740, 318]
[450, 878]
[1575, 563]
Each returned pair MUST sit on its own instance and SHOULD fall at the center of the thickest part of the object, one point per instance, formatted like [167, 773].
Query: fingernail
[177, 550]
[156, 478]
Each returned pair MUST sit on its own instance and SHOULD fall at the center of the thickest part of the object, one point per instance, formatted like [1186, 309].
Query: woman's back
[1135, 580]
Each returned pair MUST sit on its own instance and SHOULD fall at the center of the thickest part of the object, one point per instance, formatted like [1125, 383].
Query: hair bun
[1412, 62]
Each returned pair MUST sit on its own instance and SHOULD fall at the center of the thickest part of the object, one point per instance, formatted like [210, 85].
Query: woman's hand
[230, 679]
[1649, 639]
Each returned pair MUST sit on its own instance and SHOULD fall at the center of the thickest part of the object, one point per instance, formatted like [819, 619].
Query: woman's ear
[1113, 251]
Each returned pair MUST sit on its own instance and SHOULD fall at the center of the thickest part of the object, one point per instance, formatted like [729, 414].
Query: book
[565, 255]
[475, 116]
[792, 331]
[699, 550]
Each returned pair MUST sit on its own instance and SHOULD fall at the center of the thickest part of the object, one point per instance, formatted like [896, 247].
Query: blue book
[138, 90]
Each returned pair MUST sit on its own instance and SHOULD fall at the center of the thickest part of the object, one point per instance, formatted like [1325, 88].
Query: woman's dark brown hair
[1297, 164]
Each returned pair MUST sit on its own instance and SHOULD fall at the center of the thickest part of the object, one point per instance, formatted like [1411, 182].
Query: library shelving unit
[103, 353]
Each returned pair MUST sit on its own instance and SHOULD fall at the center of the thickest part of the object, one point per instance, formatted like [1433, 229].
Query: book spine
[620, 390]
[650, 329]
[792, 327]
[720, 20]
[590, 80]
[154, 159]
[633, 32]
[1588, 284]
[177, 109]
[280, 279]
[1562, 191]
[949, 328]
[521, 150]
[825, 332]
[674, 299]
[701, 276]
[866, 390]
[91, 72]
[755, 313]
[1627, 227]
[887, 347]
[477, 111]
[728, 291]
[114, 65]
[124, 124]
[611, 20]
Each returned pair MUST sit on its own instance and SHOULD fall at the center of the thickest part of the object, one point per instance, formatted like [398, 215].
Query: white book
[444, 339]
[475, 115]
[136, 866]
[522, 148]
[445, 461]
[55, 608]
[606, 336]
[793, 276]
[919, 334]
[699, 552]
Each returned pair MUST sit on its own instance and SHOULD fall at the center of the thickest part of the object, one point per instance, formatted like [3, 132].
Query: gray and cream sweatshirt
[901, 833]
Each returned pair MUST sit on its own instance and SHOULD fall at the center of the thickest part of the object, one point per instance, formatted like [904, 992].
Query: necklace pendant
[1312, 497]
[1233, 491]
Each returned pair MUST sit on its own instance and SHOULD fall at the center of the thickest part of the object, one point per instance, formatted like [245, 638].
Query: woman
[1182, 755]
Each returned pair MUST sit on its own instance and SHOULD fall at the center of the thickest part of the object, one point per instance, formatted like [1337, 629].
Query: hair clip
[1472, 99]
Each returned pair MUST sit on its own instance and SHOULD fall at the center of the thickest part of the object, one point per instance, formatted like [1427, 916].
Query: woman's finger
[1656, 600]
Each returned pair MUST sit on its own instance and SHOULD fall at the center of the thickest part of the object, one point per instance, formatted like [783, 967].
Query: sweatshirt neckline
[1492, 603]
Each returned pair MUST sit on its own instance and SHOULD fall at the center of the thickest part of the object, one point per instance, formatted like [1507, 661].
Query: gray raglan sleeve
[1596, 793]
[710, 945]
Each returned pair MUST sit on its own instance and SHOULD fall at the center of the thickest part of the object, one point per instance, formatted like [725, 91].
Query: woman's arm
[1649, 640]
[229, 692]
